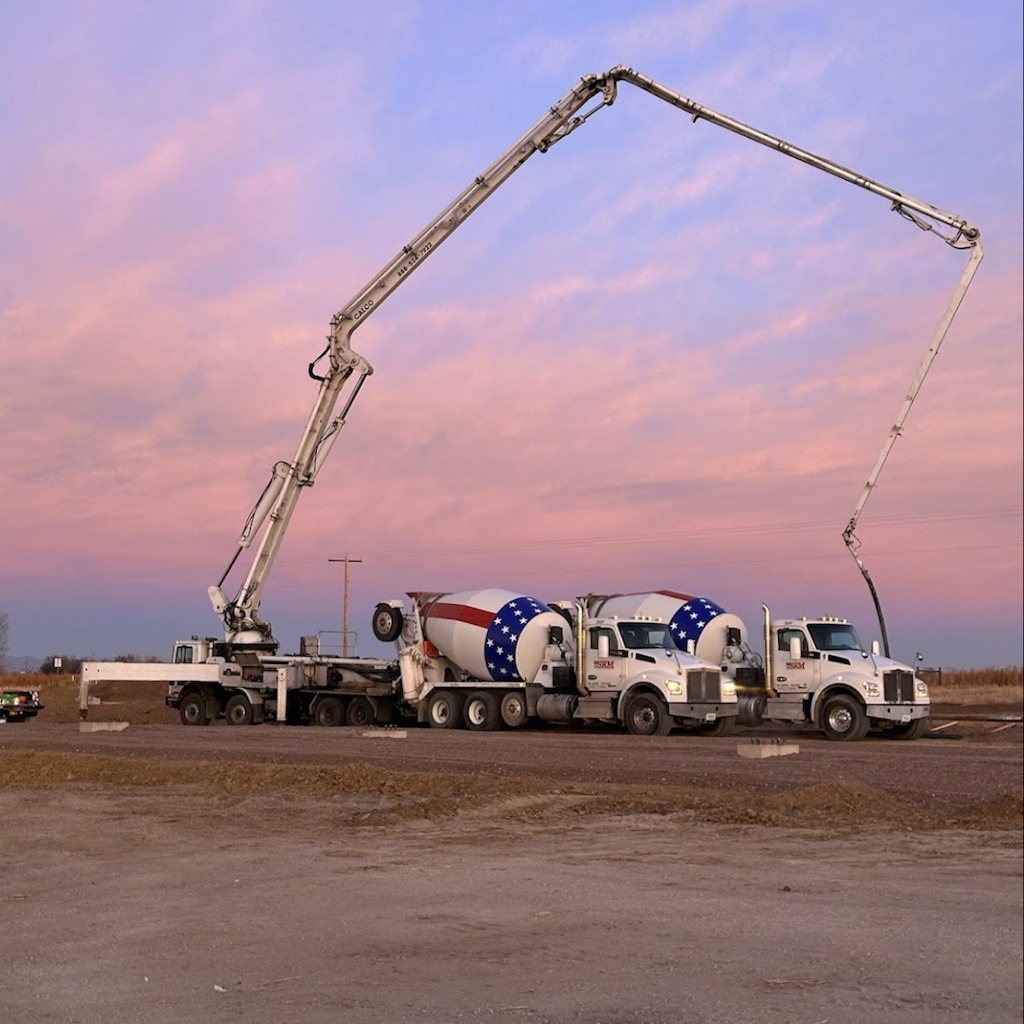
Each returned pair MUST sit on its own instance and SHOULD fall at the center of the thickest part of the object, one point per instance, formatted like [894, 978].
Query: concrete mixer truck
[491, 658]
[813, 672]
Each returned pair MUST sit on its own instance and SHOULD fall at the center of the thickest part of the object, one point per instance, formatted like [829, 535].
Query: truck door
[604, 670]
[799, 674]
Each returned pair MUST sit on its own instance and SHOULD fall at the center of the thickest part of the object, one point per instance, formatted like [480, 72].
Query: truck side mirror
[794, 648]
[875, 649]
[602, 645]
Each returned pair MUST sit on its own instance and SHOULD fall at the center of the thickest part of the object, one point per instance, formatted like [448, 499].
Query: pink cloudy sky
[661, 356]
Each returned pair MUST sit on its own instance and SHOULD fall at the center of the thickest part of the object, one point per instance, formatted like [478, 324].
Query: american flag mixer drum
[690, 618]
[492, 634]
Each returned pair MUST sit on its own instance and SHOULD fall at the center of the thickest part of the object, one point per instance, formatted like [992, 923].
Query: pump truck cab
[491, 658]
[812, 671]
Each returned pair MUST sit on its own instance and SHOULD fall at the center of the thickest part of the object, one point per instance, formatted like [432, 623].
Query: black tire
[843, 719]
[481, 712]
[908, 731]
[387, 623]
[647, 715]
[513, 709]
[329, 712]
[360, 712]
[444, 710]
[194, 709]
[719, 727]
[238, 710]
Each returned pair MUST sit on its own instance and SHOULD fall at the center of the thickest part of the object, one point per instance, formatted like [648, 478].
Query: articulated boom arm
[849, 534]
[242, 624]
[343, 366]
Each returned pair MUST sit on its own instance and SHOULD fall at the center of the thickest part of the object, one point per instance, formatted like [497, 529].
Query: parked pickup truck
[19, 705]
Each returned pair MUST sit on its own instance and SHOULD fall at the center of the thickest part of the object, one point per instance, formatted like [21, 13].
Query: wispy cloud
[661, 352]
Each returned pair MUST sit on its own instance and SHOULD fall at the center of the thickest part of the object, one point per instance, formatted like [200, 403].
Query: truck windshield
[834, 636]
[639, 635]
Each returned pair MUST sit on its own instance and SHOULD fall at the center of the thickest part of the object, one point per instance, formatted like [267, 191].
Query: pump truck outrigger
[248, 653]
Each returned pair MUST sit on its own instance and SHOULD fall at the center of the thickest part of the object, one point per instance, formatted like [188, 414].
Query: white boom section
[276, 504]
[851, 541]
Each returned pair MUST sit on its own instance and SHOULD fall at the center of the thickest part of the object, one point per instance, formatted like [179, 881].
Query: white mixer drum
[494, 635]
[690, 618]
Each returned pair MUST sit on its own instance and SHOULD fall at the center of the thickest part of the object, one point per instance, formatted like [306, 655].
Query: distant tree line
[71, 665]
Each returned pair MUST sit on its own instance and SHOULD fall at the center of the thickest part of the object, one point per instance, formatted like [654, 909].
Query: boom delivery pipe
[344, 367]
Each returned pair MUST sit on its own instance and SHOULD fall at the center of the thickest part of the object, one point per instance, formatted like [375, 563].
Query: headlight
[729, 687]
[872, 689]
[922, 688]
[674, 688]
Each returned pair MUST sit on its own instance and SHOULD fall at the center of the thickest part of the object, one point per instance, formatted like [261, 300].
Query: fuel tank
[494, 635]
[690, 618]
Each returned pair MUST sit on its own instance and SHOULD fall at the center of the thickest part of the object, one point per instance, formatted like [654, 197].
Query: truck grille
[898, 686]
[704, 684]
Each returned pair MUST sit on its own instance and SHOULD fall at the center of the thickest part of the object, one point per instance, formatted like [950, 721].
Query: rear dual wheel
[239, 710]
[513, 709]
[329, 712]
[360, 712]
[481, 711]
[444, 710]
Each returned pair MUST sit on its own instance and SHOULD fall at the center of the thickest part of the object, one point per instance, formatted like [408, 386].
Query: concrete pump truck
[243, 677]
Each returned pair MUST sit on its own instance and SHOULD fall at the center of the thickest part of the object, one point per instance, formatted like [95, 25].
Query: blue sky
[660, 356]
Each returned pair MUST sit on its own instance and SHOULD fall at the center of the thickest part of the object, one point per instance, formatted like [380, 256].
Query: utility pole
[344, 602]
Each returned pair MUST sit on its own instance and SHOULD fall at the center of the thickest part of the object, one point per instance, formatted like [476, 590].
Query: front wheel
[843, 718]
[646, 715]
[193, 709]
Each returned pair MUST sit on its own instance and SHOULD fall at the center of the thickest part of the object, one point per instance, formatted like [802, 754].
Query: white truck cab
[818, 671]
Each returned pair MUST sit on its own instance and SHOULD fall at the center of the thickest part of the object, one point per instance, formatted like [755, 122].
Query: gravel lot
[276, 874]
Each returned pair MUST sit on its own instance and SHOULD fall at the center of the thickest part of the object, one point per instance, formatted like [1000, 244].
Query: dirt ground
[278, 874]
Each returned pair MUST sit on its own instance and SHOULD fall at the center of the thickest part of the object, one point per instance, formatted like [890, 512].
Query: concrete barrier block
[758, 748]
